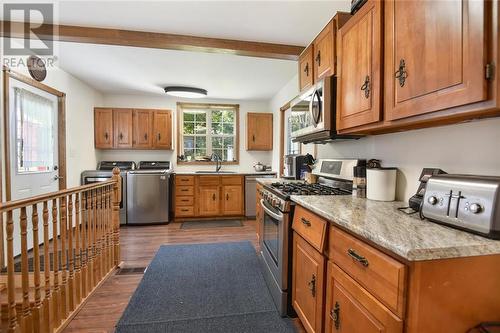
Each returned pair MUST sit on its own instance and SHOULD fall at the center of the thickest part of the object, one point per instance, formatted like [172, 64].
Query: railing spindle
[71, 265]
[47, 320]
[98, 235]
[108, 227]
[64, 258]
[11, 285]
[26, 319]
[116, 214]
[36, 263]
[78, 225]
[84, 244]
[55, 255]
[94, 218]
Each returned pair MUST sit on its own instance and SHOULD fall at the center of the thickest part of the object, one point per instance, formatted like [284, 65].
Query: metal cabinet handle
[335, 315]
[145, 136]
[305, 222]
[306, 69]
[401, 74]
[106, 136]
[185, 200]
[366, 86]
[318, 58]
[120, 136]
[359, 258]
[253, 137]
[227, 196]
[312, 285]
[213, 197]
[184, 190]
[159, 136]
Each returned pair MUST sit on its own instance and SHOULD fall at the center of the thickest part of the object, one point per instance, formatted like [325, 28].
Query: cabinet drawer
[232, 180]
[208, 180]
[184, 201]
[350, 308]
[311, 227]
[184, 211]
[378, 273]
[184, 190]
[184, 180]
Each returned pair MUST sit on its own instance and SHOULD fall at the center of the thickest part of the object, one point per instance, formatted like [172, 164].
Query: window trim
[182, 106]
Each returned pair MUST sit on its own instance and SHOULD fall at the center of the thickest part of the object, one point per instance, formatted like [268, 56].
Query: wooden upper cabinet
[433, 61]
[103, 128]
[259, 131]
[350, 308]
[359, 71]
[142, 127]
[306, 68]
[162, 130]
[122, 128]
[323, 47]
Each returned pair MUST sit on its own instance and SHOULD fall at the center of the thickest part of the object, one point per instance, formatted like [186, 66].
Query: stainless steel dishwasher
[251, 192]
[148, 198]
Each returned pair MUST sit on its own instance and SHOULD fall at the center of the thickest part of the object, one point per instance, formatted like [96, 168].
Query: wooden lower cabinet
[209, 196]
[232, 200]
[307, 282]
[350, 308]
[208, 200]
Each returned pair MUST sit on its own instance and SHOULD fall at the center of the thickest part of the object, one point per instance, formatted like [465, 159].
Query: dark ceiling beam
[79, 34]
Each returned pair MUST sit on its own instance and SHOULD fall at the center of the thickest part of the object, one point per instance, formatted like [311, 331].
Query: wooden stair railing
[79, 247]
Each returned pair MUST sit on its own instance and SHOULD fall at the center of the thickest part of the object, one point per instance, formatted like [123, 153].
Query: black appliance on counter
[415, 201]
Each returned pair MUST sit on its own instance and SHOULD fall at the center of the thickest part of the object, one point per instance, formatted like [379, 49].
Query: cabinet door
[142, 123]
[122, 128]
[306, 78]
[162, 130]
[307, 284]
[232, 200]
[103, 128]
[433, 61]
[359, 59]
[208, 200]
[323, 52]
[350, 308]
[259, 131]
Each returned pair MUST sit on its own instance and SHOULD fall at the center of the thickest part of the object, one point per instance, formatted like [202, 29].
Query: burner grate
[308, 189]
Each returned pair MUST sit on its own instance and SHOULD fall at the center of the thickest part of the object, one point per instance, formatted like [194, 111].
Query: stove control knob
[274, 202]
[432, 200]
[475, 208]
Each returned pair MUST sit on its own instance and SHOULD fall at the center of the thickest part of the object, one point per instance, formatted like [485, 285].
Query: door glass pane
[271, 240]
[35, 132]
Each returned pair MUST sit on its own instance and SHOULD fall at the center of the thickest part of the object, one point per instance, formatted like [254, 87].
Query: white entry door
[33, 150]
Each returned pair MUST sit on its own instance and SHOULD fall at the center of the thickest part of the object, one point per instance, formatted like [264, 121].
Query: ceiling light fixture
[187, 92]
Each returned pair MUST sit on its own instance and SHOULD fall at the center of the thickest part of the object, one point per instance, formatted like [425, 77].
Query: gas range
[334, 178]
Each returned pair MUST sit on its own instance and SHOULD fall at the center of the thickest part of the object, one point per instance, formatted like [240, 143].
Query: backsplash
[468, 148]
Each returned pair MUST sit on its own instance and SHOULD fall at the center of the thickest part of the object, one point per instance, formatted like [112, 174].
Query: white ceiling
[286, 22]
[131, 70]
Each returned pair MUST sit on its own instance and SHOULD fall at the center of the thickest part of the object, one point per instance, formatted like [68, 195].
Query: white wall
[80, 101]
[283, 96]
[247, 158]
[470, 148]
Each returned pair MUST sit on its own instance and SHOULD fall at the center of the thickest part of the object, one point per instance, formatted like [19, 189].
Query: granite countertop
[405, 235]
[227, 173]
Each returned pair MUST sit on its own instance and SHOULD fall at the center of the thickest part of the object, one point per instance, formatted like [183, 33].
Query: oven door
[275, 246]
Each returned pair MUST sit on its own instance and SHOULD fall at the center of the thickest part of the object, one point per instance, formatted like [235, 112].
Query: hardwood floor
[139, 245]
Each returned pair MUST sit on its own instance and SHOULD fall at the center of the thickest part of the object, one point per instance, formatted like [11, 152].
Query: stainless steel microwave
[313, 114]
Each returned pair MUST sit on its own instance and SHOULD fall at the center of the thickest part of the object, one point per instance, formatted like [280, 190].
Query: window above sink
[207, 129]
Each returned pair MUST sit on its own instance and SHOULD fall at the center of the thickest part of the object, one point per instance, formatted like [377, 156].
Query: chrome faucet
[218, 162]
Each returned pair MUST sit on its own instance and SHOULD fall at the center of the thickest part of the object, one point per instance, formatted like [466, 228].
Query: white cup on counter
[381, 184]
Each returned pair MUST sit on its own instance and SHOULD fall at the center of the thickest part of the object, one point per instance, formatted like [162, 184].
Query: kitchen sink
[215, 172]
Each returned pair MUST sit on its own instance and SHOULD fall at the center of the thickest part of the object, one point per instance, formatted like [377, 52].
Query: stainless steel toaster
[467, 202]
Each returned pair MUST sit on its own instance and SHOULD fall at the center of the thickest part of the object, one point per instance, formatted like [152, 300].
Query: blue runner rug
[203, 288]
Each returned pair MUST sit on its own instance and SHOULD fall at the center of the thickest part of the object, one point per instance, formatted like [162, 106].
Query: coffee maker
[296, 165]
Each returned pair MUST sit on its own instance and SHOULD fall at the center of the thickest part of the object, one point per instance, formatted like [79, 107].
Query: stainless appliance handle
[97, 179]
[278, 217]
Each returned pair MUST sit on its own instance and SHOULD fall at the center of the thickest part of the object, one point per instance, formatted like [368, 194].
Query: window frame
[181, 106]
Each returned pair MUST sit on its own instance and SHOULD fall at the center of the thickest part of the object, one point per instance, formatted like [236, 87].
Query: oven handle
[278, 217]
